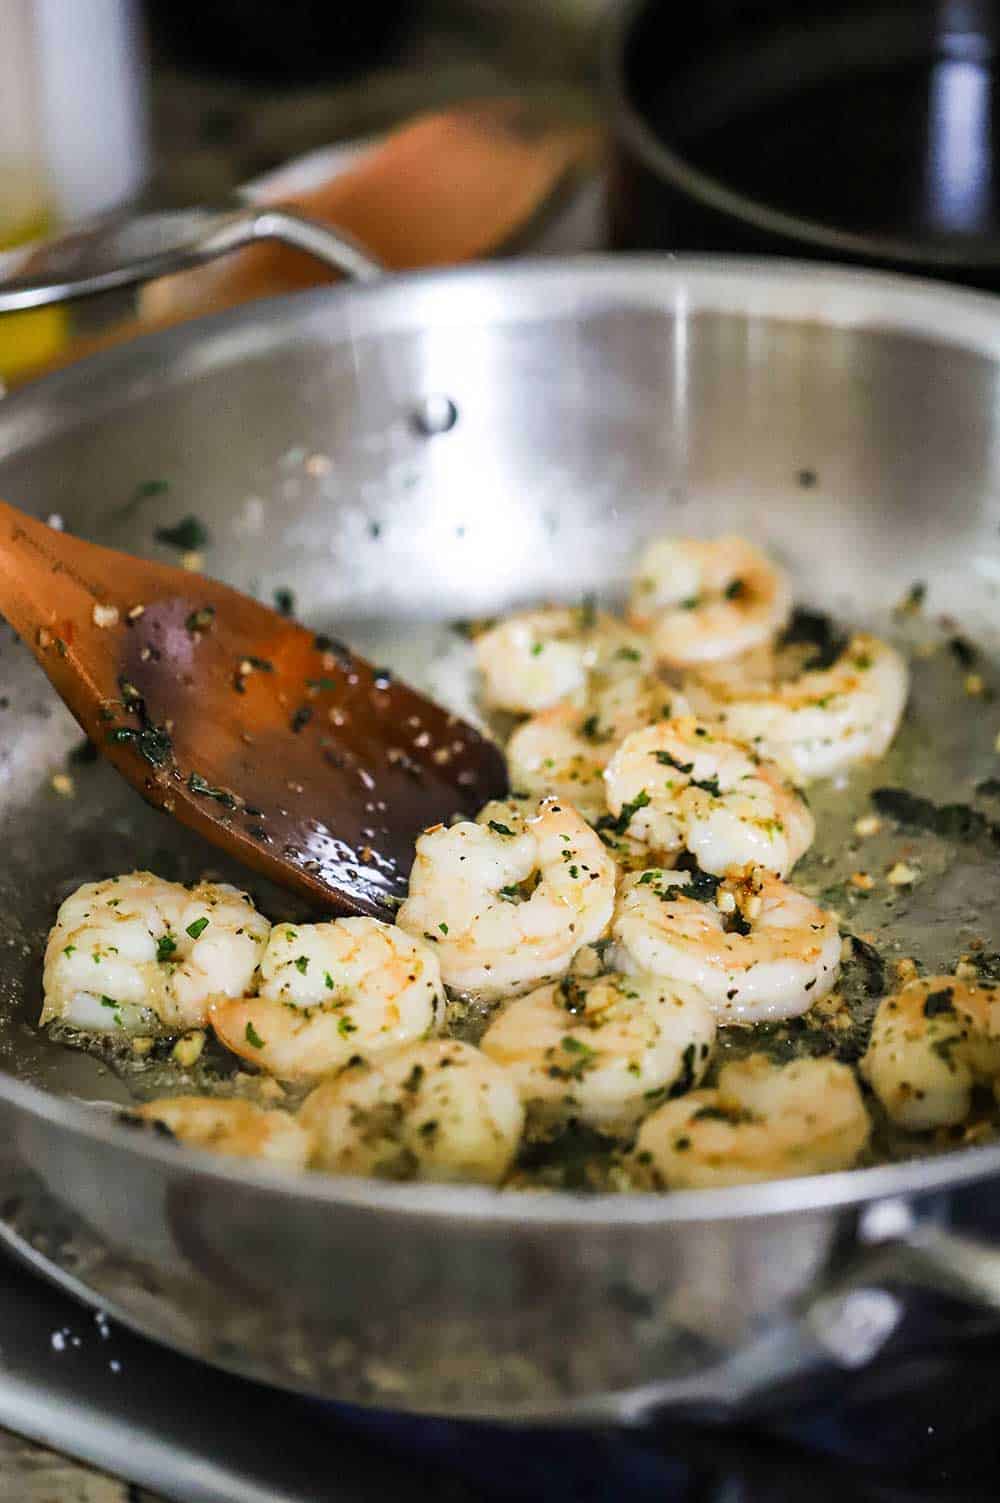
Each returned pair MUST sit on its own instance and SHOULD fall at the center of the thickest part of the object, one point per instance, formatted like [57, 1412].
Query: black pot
[296, 42]
[852, 131]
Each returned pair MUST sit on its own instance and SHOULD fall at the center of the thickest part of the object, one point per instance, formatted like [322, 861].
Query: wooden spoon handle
[444, 188]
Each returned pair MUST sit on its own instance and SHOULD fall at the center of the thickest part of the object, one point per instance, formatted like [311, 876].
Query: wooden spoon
[278, 745]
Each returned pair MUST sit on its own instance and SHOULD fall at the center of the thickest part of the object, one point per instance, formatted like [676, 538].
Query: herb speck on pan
[956, 822]
[187, 536]
[146, 490]
[817, 630]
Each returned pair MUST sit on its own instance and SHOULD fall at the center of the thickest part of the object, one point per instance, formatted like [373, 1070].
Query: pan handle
[898, 1247]
[121, 252]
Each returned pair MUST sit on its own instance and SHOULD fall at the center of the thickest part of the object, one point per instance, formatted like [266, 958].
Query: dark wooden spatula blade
[277, 744]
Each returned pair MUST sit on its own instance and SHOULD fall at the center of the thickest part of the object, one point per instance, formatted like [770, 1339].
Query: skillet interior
[594, 406]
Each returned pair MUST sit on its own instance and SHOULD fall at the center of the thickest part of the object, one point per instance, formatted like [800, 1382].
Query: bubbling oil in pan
[905, 853]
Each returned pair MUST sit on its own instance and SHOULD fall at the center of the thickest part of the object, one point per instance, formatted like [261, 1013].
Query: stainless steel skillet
[852, 422]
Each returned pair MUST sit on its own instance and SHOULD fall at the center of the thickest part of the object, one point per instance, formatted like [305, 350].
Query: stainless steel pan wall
[595, 402]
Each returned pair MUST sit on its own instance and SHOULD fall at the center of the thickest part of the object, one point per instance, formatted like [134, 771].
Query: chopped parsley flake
[582, 1058]
[199, 785]
[143, 492]
[302, 963]
[620, 825]
[936, 1003]
[197, 928]
[187, 536]
[666, 760]
[165, 946]
[253, 1037]
[152, 742]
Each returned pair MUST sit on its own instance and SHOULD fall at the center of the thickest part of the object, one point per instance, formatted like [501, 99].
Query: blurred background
[105, 103]
[849, 130]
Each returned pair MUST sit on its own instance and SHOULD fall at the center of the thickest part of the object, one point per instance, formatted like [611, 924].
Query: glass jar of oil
[26, 339]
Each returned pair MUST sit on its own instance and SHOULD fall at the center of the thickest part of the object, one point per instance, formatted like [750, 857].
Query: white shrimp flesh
[507, 900]
[532, 660]
[762, 1121]
[564, 750]
[758, 949]
[440, 1110]
[686, 788]
[232, 1127]
[331, 991]
[147, 956]
[931, 1043]
[602, 1050]
[705, 601]
[818, 721]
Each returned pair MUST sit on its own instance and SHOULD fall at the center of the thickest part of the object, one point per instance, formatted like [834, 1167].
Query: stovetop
[921, 1423]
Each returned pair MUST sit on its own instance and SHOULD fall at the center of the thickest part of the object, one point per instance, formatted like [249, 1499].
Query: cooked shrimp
[684, 788]
[763, 1121]
[701, 602]
[533, 660]
[508, 901]
[236, 1127]
[439, 1110]
[779, 954]
[565, 750]
[330, 991]
[145, 955]
[931, 1042]
[818, 721]
[601, 1050]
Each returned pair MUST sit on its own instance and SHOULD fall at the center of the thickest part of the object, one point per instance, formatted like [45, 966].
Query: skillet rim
[812, 292]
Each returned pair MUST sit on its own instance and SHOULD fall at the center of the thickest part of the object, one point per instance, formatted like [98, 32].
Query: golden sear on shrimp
[931, 1042]
[331, 991]
[686, 788]
[758, 949]
[564, 750]
[813, 721]
[762, 1121]
[509, 899]
[439, 1110]
[535, 659]
[703, 602]
[602, 1050]
[232, 1127]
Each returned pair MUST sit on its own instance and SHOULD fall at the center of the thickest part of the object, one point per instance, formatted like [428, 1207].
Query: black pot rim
[638, 137]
